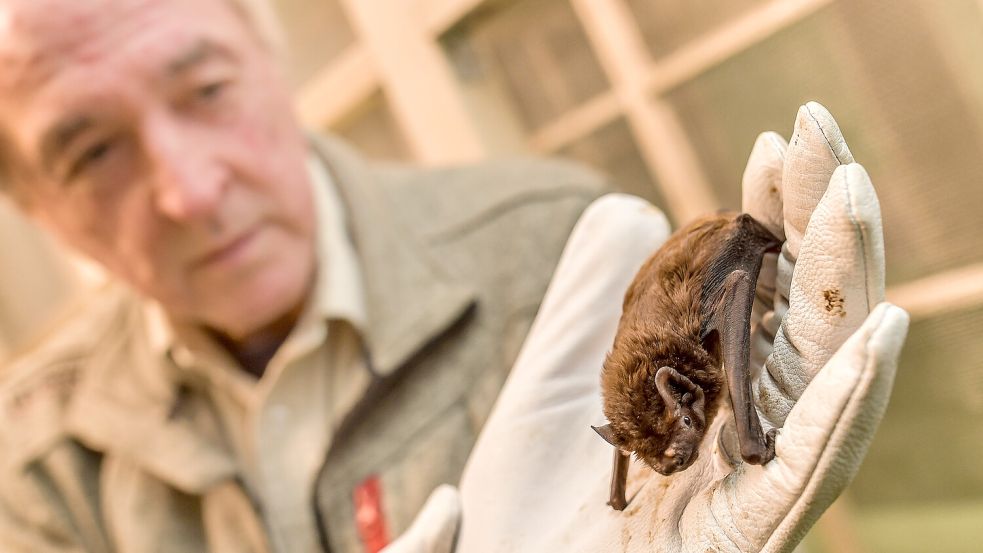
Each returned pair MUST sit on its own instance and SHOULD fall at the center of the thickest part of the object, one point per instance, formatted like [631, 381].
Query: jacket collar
[406, 308]
[126, 403]
[134, 408]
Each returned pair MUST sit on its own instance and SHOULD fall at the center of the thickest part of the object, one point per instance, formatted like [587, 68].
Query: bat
[682, 344]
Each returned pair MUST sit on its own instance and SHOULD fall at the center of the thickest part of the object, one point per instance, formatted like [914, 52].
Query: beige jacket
[103, 448]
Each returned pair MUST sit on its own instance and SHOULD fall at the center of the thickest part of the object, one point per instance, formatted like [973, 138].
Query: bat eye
[687, 421]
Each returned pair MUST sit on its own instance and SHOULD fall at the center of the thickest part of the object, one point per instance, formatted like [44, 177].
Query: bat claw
[756, 453]
[770, 445]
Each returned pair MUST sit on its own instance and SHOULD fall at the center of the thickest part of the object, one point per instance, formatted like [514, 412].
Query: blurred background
[667, 96]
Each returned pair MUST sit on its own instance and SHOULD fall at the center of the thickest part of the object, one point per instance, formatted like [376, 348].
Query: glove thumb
[827, 434]
[817, 451]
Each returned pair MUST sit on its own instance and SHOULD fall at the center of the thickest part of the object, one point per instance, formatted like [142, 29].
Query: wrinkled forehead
[41, 38]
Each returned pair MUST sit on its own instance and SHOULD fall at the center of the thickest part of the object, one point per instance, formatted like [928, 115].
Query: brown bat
[683, 336]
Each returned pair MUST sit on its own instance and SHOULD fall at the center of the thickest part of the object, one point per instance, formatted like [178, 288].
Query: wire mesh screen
[667, 25]
[908, 103]
[923, 452]
[540, 49]
[612, 149]
[523, 64]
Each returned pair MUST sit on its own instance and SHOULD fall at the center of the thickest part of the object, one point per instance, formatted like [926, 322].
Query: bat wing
[744, 247]
[725, 303]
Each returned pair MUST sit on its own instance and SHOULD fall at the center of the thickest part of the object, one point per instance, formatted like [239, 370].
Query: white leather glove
[434, 530]
[538, 479]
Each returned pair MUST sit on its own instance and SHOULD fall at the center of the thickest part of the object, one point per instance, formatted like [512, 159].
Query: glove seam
[825, 138]
[860, 228]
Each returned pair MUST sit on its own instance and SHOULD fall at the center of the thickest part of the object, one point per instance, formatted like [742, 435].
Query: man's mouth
[229, 252]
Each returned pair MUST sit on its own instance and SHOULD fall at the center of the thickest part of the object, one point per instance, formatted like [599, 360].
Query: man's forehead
[39, 37]
[36, 27]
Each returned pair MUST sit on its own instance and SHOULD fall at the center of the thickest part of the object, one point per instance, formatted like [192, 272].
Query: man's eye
[93, 154]
[211, 91]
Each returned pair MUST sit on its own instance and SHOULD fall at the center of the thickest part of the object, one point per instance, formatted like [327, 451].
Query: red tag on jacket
[369, 517]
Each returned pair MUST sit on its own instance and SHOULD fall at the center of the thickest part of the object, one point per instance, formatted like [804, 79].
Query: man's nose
[188, 181]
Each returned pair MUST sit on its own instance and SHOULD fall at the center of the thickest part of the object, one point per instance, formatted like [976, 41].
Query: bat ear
[606, 433]
[676, 389]
[698, 406]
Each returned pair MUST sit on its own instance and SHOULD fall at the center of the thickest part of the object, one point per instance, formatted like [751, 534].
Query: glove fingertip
[823, 119]
[436, 527]
[774, 141]
[816, 149]
[854, 191]
[446, 495]
[889, 335]
[859, 187]
[761, 183]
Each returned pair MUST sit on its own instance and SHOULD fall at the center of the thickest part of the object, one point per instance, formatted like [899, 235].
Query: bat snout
[671, 464]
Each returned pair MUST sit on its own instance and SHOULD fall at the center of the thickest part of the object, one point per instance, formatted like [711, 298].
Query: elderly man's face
[156, 136]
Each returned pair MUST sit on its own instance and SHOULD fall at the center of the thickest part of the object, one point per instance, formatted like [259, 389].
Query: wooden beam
[417, 80]
[940, 293]
[726, 41]
[617, 40]
[441, 15]
[576, 123]
[348, 82]
[684, 64]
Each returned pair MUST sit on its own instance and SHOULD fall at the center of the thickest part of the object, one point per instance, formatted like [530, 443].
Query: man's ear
[606, 433]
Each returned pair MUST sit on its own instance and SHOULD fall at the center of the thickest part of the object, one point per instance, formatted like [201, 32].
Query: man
[284, 299]
[305, 343]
